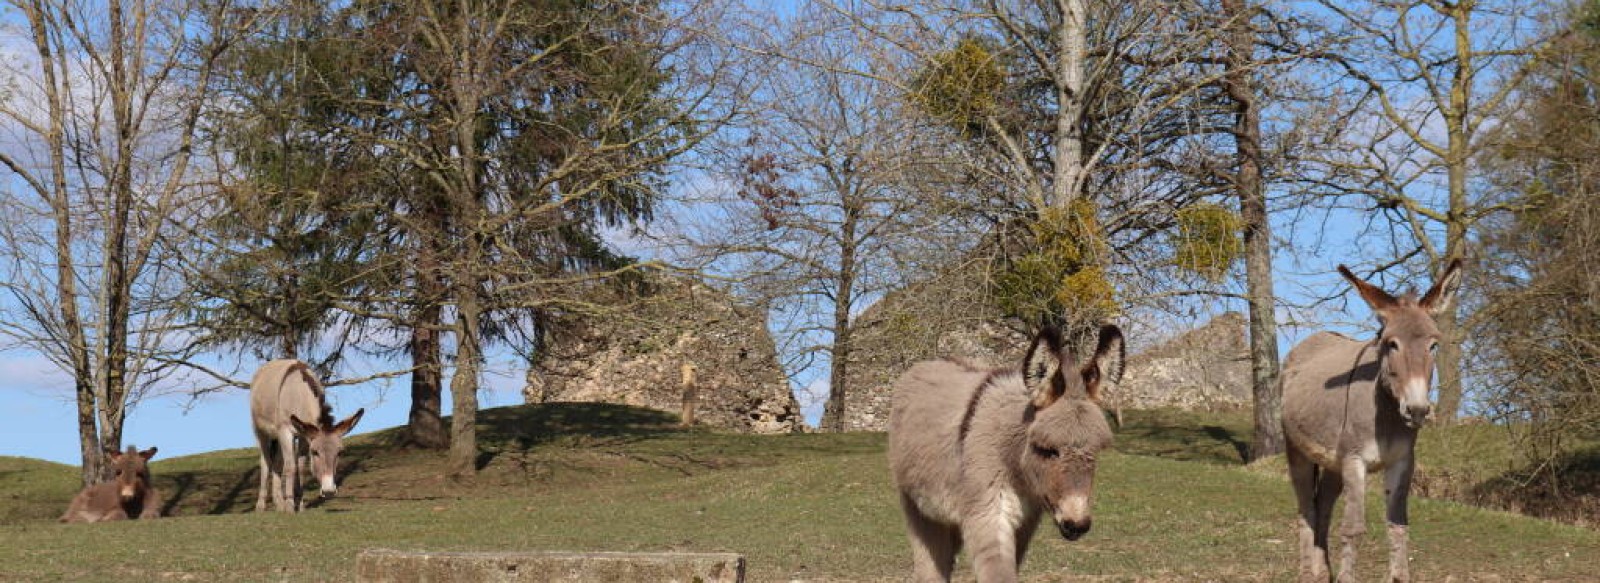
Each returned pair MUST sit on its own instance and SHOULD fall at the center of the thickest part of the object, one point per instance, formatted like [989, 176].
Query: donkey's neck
[324, 411]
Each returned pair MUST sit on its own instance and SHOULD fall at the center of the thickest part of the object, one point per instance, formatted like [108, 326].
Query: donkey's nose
[1074, 530]
[1418, 413]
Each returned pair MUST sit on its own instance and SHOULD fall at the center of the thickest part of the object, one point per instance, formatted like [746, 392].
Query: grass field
[1173, 503]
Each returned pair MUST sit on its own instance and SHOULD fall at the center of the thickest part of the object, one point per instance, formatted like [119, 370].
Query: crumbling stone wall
[1207, 368]
[948, 315]
[635, 356]
[1204, 369]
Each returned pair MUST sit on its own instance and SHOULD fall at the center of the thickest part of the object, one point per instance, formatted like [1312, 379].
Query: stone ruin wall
[1203, 369]
[635, 357]
[1207, 368]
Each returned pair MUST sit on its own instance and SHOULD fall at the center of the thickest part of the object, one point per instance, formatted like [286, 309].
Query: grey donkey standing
[978, 454]
[127, 496]
[291, 416]
[1352, 407]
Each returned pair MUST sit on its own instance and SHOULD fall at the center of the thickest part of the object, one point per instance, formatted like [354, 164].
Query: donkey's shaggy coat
[978, 453]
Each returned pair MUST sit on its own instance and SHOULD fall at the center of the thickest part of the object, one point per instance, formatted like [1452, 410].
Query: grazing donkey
[127, 497]
[979, 453]
[1352, 407]
[283, 395]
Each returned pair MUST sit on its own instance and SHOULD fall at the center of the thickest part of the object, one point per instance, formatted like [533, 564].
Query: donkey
[127, 497]
[979, 453]
[283, 395]
[1352, 407]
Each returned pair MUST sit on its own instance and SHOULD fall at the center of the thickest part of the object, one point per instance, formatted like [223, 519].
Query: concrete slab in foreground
[375, 565]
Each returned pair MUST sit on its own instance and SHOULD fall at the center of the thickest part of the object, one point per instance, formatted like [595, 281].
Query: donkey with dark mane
[292, 418]
[1352, 407]
[978, 454]
[127, 496]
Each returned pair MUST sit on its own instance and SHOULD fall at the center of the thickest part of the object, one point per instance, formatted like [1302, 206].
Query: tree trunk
[464, 384]
[837, 389]
[1073, 43]
[844, 285]
[1257, 231]
[88, 435]
[114, 390]
[77, 346]
[1457, 157]
[425, 428]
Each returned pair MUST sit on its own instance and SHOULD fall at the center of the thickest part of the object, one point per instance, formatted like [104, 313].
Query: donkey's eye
[1433, 347]
[316, 454]
[1393, 344]
[1046, 452]
[119, 473]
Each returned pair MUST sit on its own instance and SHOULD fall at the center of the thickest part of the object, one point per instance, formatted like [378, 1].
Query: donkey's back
[925, 420]
[280, 389]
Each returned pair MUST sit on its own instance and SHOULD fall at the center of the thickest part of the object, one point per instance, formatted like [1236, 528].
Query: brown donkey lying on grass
[127, 497]
[1352, 407]
[978, 453]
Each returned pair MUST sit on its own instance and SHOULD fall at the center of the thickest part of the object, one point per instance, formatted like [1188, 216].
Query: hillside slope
[809, 507]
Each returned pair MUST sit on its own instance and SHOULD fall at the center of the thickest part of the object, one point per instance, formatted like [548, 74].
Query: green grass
[1171, 503]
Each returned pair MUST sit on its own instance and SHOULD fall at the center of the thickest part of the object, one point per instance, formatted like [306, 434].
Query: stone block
[391, 566]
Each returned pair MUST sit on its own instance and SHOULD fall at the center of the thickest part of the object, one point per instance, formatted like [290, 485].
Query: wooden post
[690, 394]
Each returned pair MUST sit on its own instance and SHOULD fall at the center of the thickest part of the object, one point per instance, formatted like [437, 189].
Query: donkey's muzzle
[1416, 414]
[1074, 530]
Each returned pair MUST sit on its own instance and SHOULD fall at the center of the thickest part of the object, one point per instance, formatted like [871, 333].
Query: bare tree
[819, 204]
[107, 111]
[1247, 181]
[1091, 120]
[1425, 78]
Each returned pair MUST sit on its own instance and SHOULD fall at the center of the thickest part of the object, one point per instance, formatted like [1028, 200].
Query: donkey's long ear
[147, 454]
[1106, 366]
[349, 423]
[302, 428]
[1443, 292]
[1380, 301]
[1042, 366]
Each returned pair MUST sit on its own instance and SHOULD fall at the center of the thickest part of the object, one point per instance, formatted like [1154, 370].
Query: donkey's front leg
[152, 505]
[1396, 489]
[288, 476]
[1354, 524]
[993, 546]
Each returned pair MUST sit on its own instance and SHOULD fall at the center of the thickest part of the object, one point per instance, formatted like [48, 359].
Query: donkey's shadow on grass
[1179, 437]
[500, 431]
